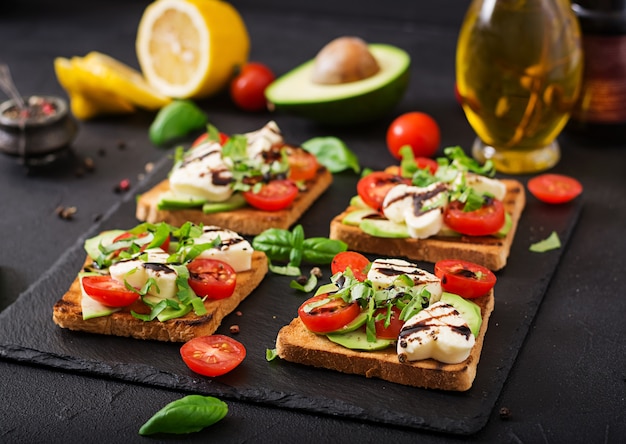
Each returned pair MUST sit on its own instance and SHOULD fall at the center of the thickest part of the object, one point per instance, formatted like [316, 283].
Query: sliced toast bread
[246, 220]
[67, 312]
[295, 343]
[488, 251]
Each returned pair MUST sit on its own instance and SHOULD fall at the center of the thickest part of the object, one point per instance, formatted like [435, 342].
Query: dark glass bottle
[600, 114]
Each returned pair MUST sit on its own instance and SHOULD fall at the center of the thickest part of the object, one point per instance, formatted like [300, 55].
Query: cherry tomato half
[466, 279]
[324, 313]
[212, 355]
[203, 137]
[395, 323]
[108, 292]
[350, 259]
[482, 222]
[302, 164]
[247, 89]
[212, 278]
[374, 187]
[418, 130]
[273, 196]
[554, 188]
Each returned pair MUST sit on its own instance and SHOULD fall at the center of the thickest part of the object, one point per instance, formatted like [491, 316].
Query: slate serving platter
[28, 334]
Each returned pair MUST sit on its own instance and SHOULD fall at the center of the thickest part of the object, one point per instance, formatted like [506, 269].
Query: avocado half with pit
[343, 103]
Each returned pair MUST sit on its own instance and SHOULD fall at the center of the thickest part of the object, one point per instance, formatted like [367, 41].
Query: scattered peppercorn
[89, 164]
[302, 280]
[97, 217]
[65, 213]
[149, 167]
[505, 413]
[102, 152]
[317, 272]
[121, 145]
[234, 329]
[123, 186]
[79, 172]
[238, 313]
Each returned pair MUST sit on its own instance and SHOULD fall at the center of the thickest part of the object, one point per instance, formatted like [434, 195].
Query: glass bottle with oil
[518, 70]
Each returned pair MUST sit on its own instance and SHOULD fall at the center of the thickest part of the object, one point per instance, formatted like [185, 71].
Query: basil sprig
[186, 415]
[293, 248]
[333, 153]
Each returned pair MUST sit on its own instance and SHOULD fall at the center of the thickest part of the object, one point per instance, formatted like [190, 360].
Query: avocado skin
[352, 110]
[340, 111]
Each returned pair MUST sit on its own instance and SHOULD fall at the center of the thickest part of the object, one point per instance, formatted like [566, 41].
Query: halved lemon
[87, 102]
[191, 48]
[108, 73]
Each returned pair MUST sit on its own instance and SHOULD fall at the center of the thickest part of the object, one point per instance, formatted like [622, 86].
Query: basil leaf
[271, 354]
[176, 120]
[189, 414]
[297, 240]
[275, 243]
[552, 242]
[287, 270]
[333, 153]
[321, 250]
[308, 287]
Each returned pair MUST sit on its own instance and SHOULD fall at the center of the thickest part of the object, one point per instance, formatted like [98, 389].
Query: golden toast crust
[67, 312]
[295, 343]
[246, 220]
[488, 251]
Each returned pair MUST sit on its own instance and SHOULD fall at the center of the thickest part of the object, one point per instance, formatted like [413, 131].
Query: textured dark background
[567, 383]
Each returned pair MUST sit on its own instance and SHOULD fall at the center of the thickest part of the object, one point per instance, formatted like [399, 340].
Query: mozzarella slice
[384, 272]
[203, 173]
[262, 140]
[136, 273]
[484, 185]
[438, 332]
[233, 248]
[420, 208]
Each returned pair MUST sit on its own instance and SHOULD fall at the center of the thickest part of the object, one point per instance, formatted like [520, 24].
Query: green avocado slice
[347, 103]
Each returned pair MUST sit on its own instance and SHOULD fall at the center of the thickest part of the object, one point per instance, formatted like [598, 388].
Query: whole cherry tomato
[247, 89]
[418, 130]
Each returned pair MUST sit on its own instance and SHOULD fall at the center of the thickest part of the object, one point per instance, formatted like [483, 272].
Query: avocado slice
[346, 103]
[357, 340]
[232, 203]
[173, 201]
[355, 217]
[469, 310]
[384, 228]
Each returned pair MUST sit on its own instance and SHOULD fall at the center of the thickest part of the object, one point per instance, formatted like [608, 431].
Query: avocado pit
[344, 60]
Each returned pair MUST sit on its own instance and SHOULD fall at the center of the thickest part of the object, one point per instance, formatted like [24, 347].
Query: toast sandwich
[297, 344]
[489, 251]
[215, 183]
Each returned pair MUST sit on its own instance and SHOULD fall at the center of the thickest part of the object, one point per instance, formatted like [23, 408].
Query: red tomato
[374, 187]
[212, 278]
[324, 313]
[273, 196]
[393, 329]
[351, 259]
[466, 279]
[427, 163]
[418, 130]
[108, 291]
[554, 188]
[203, 137]
[212, 355]
[302, 164]
[247, 89]
[486, 220]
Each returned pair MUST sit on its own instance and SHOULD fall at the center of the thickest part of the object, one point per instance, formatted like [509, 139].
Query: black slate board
[27, 334]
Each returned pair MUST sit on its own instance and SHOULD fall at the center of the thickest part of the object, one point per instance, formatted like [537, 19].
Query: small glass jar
[39, 132]
[600, 113]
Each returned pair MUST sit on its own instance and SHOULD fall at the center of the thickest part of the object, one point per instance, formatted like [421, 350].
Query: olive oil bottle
[519, 68]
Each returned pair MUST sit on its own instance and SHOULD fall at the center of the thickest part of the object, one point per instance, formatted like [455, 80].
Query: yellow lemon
[104, 72]
[87, 102]
[191, 48]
